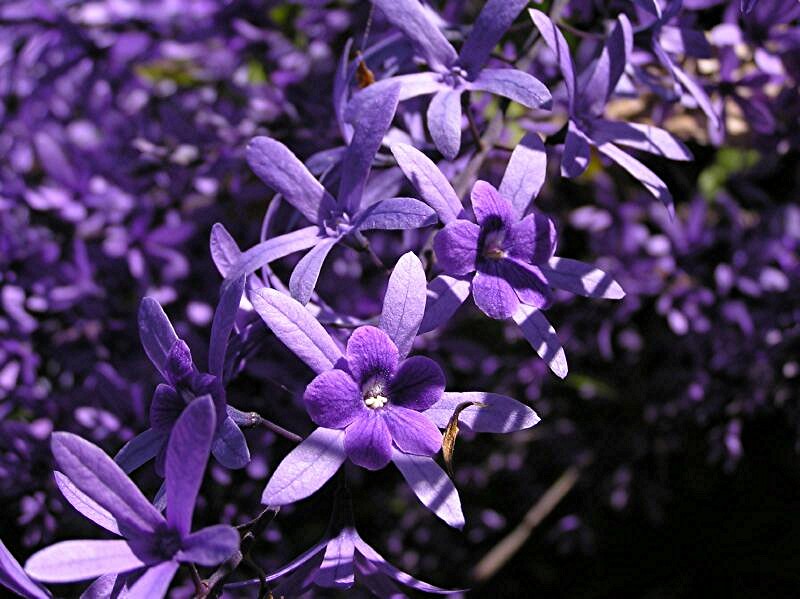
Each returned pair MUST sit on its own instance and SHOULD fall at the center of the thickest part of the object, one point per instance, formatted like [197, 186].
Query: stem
[473, 127]
[255, 419]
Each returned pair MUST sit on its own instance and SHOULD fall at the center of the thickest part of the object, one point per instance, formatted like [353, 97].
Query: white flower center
[374, 393]
[376, 401]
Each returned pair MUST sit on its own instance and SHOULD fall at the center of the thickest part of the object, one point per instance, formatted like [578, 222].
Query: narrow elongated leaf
[69, 561]
[404, 303]
[432, 186]
[222, 325]
[487, 412]
[297, 329]
[431, 485]
[307, 467]
[156, 333]
[542, 336]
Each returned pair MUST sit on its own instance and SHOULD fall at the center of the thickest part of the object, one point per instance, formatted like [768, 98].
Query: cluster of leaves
[372, 404]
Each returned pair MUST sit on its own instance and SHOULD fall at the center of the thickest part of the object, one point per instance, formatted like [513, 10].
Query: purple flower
[13, 577]
[152, 546]
[184, 383]
[334, 219]
[372, 403]
[587, 93]
[504, 259]
[453, 74]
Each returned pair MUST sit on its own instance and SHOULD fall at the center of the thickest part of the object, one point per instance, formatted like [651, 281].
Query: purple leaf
[307, 467]
[525, 173]
[370, 112]
[495, 18]
[397, 214]
[13, 577]
[410, 18]
[404, 302]
[499, 414]
[542, 336]
[445, 295]
[279, 168]
[94, 473]
[431, 485]
[306, 272]
[647, 138]
[514, 85]
[297, 329]
[87, 506]
[640, 172]
[154, 583]
[222, 325]
[577, 152]
[209, 546]
[389, 570]
[444, 122]
[224, 250]
[608, 68]
[581, 278]
[187, 456]
[413, 84]
[558, 45]
[432, 186]
[156, 333]
[274, 248]
[69, 561]
[336, 570]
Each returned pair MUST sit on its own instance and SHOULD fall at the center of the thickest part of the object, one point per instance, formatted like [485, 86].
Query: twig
[506, 548]
[255, 419]
[473, 127]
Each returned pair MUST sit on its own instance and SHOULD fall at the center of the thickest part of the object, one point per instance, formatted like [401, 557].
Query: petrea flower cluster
[319, 344]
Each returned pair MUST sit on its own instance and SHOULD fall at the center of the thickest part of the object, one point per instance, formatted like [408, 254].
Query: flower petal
[333, 399]
[418, 384]
[431, 485]
[533, 239]
[444, 122]
[69, 561]
[445, 296]
[165, 408]
[515, 85]
[499, 414]
[281, 170]
[542, 336]
[489, 206]
[368, 442]
[141, 449]
[187, 457]
[528, 283]
[493, 294]
[297, 329]
[413, 432]
[525, 173]
[431, 184]
[307, 467]
[456, 247]
[209, 546]
[404, 302]
[370, 352]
